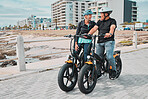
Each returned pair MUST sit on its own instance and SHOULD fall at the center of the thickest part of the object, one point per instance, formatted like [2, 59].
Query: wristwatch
[111, 34]
[89, 34]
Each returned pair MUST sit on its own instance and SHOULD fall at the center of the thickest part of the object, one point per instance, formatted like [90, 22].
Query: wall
[118, 10]
[69, 13]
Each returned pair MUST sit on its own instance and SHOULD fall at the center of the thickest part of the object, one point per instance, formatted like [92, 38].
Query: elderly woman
[83, 28]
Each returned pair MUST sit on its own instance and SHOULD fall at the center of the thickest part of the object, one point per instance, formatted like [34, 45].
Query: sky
[13, 10]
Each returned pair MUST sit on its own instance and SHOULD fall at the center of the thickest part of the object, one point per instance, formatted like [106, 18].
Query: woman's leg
[79, 50]
[87, 49]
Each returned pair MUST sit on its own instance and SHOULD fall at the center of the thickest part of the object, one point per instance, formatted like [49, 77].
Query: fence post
[135, 39]
[20, 53]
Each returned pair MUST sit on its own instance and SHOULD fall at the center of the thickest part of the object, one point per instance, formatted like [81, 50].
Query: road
[132, 84]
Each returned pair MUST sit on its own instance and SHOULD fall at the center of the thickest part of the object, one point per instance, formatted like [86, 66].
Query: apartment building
[123, 10]
[71, 11]
[66, 12]
[130, 11]
[35, 21]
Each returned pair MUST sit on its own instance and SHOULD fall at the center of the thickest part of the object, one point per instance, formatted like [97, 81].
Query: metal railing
[21, 52]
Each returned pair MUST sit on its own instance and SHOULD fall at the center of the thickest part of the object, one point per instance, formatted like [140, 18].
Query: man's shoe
[99, 75]
[112, 74]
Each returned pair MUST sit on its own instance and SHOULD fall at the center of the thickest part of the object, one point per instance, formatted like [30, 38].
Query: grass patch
[126, 43]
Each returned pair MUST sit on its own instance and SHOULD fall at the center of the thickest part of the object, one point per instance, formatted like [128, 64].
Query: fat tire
[61, 79]
[81, 76]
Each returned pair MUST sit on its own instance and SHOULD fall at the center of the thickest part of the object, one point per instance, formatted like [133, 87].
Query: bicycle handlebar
[83, 35]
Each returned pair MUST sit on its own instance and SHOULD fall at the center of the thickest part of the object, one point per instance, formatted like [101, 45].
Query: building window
[83, 3]
[134, 4]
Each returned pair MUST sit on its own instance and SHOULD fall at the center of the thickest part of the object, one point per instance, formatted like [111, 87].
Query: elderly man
[106, 27]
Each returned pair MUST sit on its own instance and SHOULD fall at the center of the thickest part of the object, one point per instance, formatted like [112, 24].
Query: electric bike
[87, 78]
[68, 74]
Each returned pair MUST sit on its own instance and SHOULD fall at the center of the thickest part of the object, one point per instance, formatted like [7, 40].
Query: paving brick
[132, 84]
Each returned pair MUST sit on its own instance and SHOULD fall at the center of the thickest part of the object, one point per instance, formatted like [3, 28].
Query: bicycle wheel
[81, 63]
[118, 66]
[86, 82]
[67, 78]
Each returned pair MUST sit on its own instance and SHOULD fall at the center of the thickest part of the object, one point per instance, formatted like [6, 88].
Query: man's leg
[100, 52]
[109, 46]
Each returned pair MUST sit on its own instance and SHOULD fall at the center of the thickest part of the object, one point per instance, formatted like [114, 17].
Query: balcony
[134, 13]
[134, 9]
[134, 20]
[76, 12]
[133, 17]
[133, 6]
[63, 16]
[63, 7]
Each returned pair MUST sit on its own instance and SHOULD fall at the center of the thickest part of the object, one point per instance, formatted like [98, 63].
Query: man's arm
[112, 28]
[93, 30]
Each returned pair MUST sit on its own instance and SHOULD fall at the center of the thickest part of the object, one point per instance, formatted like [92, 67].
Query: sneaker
[112, 74]
[99, 75]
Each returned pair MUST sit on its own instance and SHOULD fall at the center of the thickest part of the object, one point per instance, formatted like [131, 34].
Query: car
[145, 29]
[139, 29]
[127, 28]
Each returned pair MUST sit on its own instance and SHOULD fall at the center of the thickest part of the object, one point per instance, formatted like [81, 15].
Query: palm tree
[14, 27]
[30, 27]
[9, 27]
[55, 21]
[6, 27]
[70, 26]
[19, 27]
[25, 26]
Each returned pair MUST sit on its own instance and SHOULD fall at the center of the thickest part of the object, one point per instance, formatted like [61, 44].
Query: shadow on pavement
[106, 87]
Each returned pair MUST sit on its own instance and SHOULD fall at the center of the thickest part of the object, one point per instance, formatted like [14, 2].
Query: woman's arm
[78, 31]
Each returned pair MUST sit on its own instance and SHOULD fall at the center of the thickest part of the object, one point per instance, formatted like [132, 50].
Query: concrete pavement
[12, 72]
[37, 84]
[132, 84]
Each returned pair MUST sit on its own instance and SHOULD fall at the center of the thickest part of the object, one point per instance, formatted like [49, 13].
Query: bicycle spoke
[65, 76]
[85, 81]
[87, 84]
[72, 82]
[67, 82]
[68, 71]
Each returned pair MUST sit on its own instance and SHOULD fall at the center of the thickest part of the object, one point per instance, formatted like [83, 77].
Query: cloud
[1, 6]
[14, 10]
[9, 14]
[18, 9]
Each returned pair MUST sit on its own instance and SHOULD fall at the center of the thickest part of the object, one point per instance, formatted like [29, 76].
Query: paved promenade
[132, 84]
